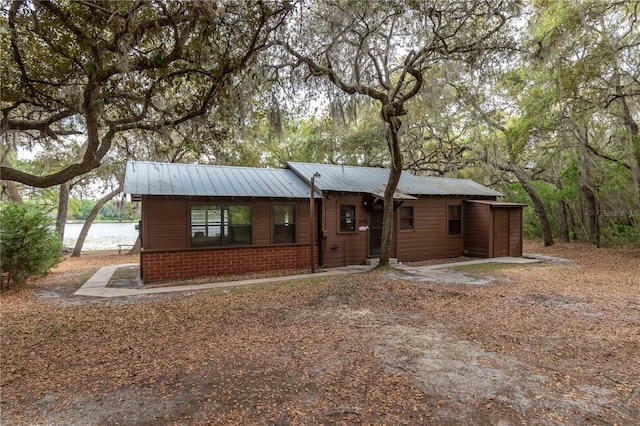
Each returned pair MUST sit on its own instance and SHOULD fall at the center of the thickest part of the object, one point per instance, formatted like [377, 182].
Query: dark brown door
[501, 233]
[375, 232]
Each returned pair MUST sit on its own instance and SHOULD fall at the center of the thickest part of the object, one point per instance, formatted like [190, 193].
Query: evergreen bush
[28, 243]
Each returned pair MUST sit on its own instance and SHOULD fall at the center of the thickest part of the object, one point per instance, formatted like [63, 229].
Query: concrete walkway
[96, 286]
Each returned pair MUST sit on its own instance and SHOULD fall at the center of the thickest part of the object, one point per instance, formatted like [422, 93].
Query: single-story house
[200, 220]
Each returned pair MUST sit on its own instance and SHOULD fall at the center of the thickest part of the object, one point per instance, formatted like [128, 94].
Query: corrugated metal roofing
[146, 178]
[373, 181]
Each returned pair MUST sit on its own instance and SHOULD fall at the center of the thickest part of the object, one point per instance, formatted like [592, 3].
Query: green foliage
[623, 232]
[79, 209]
[28, 242]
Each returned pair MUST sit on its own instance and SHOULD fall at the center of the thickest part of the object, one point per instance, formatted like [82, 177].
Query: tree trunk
[63, 204]
[136, 246]
[586, 188]
[537, 205]
[77, 250]
[9, 188]
[564, 216]
[591, 211]
[395, 172]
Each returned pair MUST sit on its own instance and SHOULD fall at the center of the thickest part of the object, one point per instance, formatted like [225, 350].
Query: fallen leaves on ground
[549, 343]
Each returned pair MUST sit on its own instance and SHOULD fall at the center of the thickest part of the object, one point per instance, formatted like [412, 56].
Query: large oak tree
[103, 68]
[384, 51]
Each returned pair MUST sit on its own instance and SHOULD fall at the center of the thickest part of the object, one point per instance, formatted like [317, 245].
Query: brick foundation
[179, 264]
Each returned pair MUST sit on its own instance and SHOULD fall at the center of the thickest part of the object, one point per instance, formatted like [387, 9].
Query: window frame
[412, 227]
[223, 224]
[451, 220]
[340, 230]
[274, 224]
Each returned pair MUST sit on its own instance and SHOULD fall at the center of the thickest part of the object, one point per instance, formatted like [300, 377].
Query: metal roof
[374, 180]
[146, 178]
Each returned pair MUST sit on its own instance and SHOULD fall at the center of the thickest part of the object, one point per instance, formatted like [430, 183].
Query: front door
[375, 231]
[501, 233]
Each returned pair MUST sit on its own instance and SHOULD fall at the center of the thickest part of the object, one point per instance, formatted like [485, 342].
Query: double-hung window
[220, 225]
[454, 215]
[406, 218]
[284, 224]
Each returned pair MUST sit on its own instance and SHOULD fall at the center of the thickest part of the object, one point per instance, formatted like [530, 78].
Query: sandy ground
[553, 343]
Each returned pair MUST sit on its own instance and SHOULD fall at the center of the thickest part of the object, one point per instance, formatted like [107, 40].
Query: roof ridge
[338, 165]
[226, 166]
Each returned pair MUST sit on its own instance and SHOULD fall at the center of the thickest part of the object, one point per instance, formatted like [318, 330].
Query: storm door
[375, 230]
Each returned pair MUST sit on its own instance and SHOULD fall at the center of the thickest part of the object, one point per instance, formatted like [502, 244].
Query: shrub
[28, 243]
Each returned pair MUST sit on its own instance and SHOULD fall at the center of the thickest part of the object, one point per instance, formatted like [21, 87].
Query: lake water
[102, 236]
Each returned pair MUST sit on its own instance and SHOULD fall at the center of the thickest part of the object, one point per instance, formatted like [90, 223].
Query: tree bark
[63, 204]
[537, 205]
[395, 172]
[9, 188]
[564, 216]
[586, 189]
[77, 250]
[591, 211]
[136, 246]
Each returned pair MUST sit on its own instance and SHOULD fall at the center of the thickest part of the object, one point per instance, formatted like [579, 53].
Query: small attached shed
[492, 228]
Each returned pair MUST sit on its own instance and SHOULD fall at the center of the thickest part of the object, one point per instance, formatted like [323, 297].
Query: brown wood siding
[261, 222]
[164, 223]
[343, 248]
[166, 220]
[302, 222]
[428, 239]
[475, 222]
[515, 231]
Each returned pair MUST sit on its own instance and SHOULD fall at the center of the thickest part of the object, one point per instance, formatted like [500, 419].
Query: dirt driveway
[554, 343]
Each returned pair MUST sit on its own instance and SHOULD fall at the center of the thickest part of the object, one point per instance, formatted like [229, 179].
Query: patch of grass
[126, 273]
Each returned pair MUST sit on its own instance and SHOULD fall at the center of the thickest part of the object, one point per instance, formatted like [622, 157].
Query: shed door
[501, 232]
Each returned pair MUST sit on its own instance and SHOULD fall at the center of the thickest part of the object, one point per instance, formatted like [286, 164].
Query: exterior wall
[428, 239]
[164, 223]
[166, 220]
[178, 264]
[477, 221]
[343, 248]
[167, 252]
